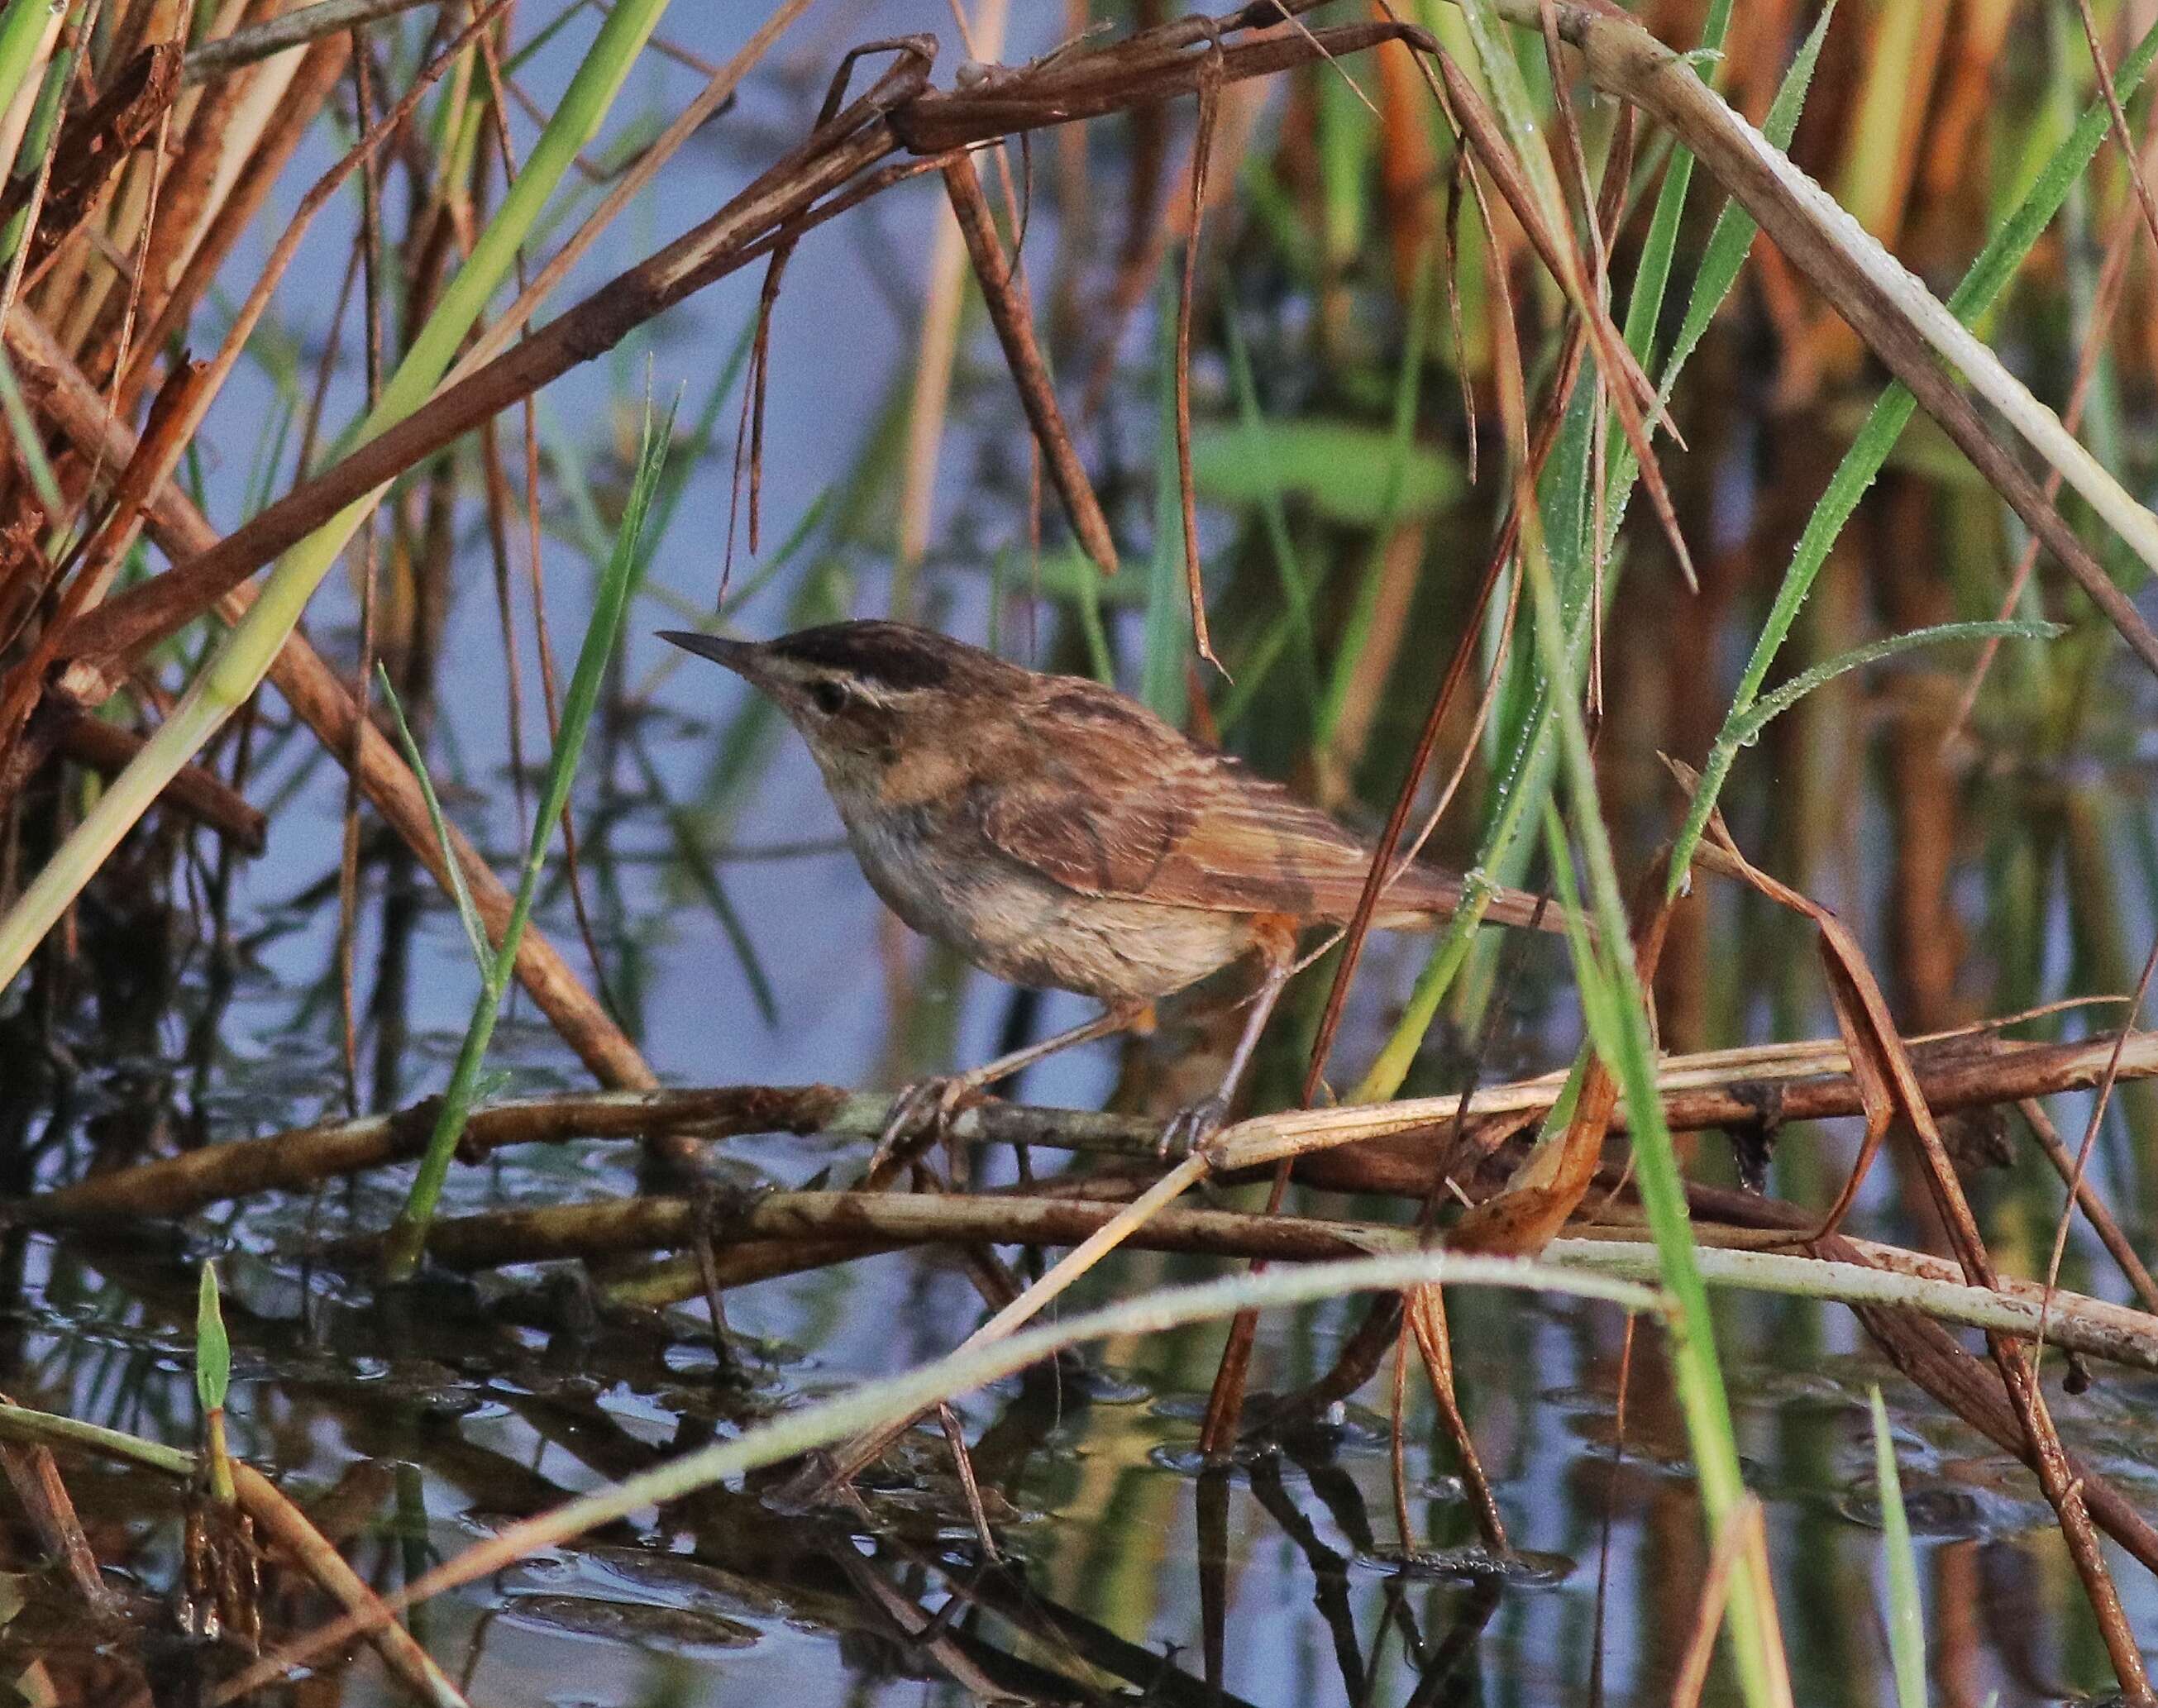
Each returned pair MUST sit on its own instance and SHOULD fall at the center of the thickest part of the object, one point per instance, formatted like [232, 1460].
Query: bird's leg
[1189, 1128]
[924, 1108]
[1117, 1017]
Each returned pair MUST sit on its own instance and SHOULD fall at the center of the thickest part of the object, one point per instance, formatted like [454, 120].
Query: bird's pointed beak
[740, 656]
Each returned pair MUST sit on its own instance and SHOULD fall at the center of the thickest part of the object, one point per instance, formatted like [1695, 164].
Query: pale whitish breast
[1026, 930]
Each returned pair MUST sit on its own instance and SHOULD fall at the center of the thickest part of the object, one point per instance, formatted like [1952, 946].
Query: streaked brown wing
[1149, 816]
[1116, 802]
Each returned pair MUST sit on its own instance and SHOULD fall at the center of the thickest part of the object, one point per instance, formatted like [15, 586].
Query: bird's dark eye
[828, 695]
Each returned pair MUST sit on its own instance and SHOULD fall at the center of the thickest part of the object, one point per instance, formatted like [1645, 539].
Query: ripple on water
[1087, 1383]
[644, 1625]
[1339, 1431]
[1470, 1563]
[1937, 1508]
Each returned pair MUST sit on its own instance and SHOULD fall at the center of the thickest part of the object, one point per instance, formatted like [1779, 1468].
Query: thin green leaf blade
[1748, 728]
[1906, 1628]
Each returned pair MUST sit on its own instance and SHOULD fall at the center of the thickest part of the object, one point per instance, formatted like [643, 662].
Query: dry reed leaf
[1010, 313]
[94, 144]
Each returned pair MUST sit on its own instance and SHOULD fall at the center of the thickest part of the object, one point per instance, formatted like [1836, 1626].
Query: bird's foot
[1189, 1129]
[920, 1114]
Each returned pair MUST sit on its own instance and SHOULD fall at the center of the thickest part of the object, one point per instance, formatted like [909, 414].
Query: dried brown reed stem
[283, 1523]
[35, 1479]
[1425, 1310]
[936, 355]
[283, 129]
[202, 795]
[1187, 489]
[1385, 1147]
[2103, 1221]
[297, 28]
[1742, 1088]
[92, 147]
[1014, 326]
[868, 1221]
[1141, 70]
[2131, 157]
[313, 691]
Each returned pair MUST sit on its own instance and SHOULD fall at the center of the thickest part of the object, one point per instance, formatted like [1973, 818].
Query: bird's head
[870, 698]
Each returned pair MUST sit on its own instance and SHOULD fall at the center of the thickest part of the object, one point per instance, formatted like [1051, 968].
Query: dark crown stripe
[886, 654]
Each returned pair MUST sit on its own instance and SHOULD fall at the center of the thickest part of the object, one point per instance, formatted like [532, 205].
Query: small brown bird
[1061, 835]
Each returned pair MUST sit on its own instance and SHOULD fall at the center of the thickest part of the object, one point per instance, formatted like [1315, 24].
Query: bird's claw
[919, 1114]
[1189, 1129]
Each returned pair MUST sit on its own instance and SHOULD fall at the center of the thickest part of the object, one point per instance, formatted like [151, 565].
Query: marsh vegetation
[442, 1041]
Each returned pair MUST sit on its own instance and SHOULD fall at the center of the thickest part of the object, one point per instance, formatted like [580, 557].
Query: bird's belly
[1027, 931]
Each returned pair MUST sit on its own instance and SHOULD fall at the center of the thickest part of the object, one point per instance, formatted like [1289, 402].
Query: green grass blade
[27, 441]
[1981, 286]
[1644, 306]
[1907, 1627]
[1735, 228]
[1620, 1033]
[1748, 728]
[22, 27]
[408, 1238]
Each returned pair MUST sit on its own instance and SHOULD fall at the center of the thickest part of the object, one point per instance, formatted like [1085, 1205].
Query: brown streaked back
[1167, 820]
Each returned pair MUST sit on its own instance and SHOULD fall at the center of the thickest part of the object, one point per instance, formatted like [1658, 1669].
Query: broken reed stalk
[1391, 1148]
[296, 29]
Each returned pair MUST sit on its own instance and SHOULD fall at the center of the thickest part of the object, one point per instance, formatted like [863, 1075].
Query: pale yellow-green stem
[240, 663]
